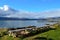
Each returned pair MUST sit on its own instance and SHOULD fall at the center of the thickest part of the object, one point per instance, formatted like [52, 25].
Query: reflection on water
[20, 23]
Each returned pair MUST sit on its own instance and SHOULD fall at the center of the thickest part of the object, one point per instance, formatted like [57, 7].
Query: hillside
[49, 35]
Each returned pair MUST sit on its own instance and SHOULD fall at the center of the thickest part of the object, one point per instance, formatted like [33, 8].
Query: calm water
[20, 23]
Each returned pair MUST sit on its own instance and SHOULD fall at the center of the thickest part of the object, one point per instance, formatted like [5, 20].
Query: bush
[5, 33]
[1, 35]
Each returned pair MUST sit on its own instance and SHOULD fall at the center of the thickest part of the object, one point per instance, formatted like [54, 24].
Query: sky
[32, 5]
[30, 8]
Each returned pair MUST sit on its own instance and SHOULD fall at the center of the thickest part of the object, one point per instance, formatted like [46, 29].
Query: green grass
[6, 37]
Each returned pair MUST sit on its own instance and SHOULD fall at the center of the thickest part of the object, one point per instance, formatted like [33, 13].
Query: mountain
[6, 11]
[9, 18]
[9, 12]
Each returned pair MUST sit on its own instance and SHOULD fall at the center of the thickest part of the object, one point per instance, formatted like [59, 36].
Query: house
[14, 32]
[27, 31]
[17, 32]
[11, 33]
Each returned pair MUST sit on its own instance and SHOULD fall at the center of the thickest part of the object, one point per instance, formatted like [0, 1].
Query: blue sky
[32, 5]
[31, 8]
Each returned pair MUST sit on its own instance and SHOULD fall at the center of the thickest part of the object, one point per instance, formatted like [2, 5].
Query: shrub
[1, 34]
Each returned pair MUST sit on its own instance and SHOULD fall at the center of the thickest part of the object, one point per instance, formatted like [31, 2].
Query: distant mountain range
[6, 18]
[7, 13]
[45, 19]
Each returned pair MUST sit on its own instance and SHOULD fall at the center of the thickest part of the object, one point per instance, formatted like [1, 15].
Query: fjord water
[23, 23]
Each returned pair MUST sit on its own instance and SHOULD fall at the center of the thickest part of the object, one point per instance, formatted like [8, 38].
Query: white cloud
[5, 7]
[23, 14]
[27, 14]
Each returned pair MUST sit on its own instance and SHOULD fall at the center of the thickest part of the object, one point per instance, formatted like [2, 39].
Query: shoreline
[29, 26]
